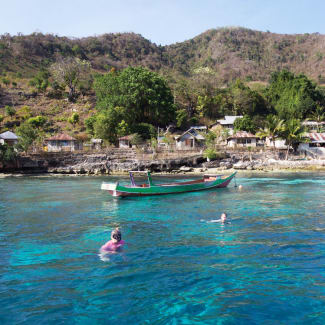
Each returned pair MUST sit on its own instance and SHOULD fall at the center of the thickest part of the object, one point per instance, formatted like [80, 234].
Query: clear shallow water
[266, 267]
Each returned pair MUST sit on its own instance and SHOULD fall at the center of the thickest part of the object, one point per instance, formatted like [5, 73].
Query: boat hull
[117, 190]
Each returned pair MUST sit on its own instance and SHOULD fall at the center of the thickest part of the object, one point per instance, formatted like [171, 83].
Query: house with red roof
[63, 142]
[314, 145]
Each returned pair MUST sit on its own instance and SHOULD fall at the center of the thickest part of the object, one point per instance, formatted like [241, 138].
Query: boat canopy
[144, 172]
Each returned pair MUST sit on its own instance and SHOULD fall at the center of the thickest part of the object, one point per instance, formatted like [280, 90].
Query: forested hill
[228, 53]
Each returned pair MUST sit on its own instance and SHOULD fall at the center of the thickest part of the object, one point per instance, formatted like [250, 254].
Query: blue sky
[161, 21]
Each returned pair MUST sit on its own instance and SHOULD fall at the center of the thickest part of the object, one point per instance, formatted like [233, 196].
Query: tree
[69, 71]
[122, 129]
[210, 139]
[7, 153]
[318, 116]
[89, 123]
[106, 123]
[274, 128]
[143, 93]
[225, 133]
[185, 96]
[210, 153]
[246, 101]
[293, 133]
[181, 118]
[146, 130]
[136, 139]
[27, 135]
[245, 124]
[168, 139]
[41, 80]
[293, 96]
[154, 144]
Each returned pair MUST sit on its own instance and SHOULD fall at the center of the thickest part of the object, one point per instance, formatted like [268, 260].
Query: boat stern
[110, 187]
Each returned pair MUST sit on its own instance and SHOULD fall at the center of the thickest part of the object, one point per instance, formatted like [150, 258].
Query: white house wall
[311, 151]
[279, 143]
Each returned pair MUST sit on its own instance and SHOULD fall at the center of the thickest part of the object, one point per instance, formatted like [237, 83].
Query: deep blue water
[266, 267]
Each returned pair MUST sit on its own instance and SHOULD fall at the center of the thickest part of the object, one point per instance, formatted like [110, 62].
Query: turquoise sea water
[266, 267]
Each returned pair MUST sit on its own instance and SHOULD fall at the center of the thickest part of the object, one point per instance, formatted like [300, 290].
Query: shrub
[74, 118]
[6, 81]
[10, 111]
[7, 153]
[37, 121]
[24, 112]
[136, 139]
[89, 123]
[210, 153]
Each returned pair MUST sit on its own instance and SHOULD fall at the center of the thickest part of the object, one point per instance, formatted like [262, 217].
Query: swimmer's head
[116, 235]
[223, 216]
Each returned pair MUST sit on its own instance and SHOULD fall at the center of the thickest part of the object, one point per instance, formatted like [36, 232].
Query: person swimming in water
[222, 220]
[115, 243]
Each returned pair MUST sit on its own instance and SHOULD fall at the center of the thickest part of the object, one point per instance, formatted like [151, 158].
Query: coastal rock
[241, 165]
[225, 165]
[211, 164]
[186, 169]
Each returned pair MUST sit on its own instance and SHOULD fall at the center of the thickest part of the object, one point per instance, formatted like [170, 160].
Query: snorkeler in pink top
[115, 243]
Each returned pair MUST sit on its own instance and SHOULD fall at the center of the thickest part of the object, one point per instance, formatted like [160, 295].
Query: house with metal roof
[242, 139]
[190, 139]
[314, 146]
[63, 142]
[9, 138]
[228, 122]
[314, 126]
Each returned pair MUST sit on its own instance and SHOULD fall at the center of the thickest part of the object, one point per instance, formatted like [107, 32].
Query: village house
[242, 139]
[9, 138]
[313, 126]
[63, 142]
[278, 143]
[228, 123]
[125, 142]
[315, 145]
[190, 139]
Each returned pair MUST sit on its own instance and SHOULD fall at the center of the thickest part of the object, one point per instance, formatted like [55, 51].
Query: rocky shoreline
[117, 162]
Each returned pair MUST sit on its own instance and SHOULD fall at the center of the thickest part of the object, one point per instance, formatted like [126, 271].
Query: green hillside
[202, 73]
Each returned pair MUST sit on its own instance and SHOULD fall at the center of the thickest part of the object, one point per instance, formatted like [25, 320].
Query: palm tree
[318, 116]
[273, 128]
[294, 132]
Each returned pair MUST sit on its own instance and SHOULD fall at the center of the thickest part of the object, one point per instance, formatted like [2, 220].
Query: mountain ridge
[229, 53]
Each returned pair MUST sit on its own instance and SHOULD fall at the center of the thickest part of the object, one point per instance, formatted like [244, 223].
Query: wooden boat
[150, 188]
